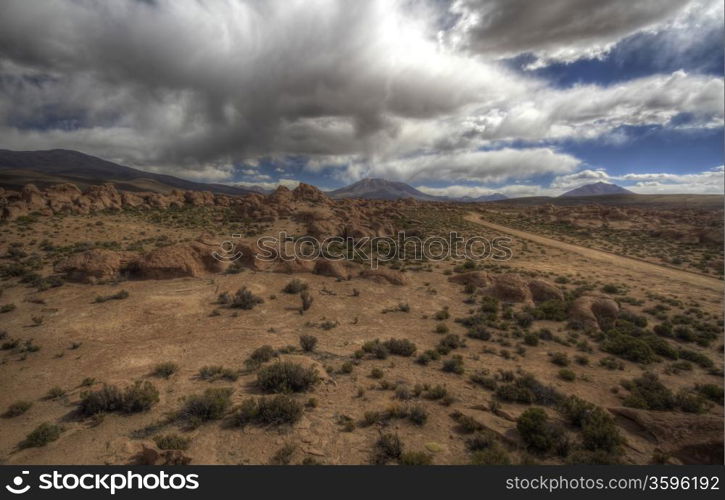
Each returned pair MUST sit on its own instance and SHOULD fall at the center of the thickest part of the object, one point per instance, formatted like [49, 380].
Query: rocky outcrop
[383, 275]
[333, 268]
[475, 278]
[93, 266]
[542, 290]
[510, 288]
[594, 312]
[180, 260]
[68, 199]
[690, 438]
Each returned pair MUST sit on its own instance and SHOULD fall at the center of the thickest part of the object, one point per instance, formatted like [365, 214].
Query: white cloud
[569, 30]
[483, 166]
[706, 182]
[268, 186]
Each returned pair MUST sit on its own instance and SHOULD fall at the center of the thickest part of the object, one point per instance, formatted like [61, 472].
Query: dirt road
[629, 263]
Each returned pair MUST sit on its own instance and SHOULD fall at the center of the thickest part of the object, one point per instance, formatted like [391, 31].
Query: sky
[456, 98]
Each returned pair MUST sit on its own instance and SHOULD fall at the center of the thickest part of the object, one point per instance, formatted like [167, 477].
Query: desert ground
[124, 341]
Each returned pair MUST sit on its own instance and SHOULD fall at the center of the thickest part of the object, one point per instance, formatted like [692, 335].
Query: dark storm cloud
[226, 77]
[566, 29]
[193, 87]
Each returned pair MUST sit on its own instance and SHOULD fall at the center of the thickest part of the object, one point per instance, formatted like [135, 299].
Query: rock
[63, 197]
[333, 268]
[147, 456]
[104, 197]
[92, 266]
[691, 438]
[542, 290]
[33, 198]
[510, 288]
[383, 275]
[476, 278]
[292, 266]
[306, 192]
[594, 312]
[180, 260]
[199, 198]
[175, 457]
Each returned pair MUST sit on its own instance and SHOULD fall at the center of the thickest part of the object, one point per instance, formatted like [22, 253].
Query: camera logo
[17, 487]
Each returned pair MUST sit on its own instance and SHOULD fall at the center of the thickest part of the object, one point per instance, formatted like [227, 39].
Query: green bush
[435, 392]
[551, 310]
[263, 354]
[308, 342]
[478, 332]
[418, 415]
[691, 402]
[466, 424]
[245, 299]
[711, 391]
[453, 365]
[531, 339]
[527, 390]
[648, 393]
[695, 357]
[441, 328]
[630, 348]
[212, 404]
[295, 286]
[450, 342]
[427, 357]
[43, 434]
[165, 370]
[481, 440]
[172, 442]
[216, 372]
[559, 359]
[17, 409]
[482, 379]
[388, 447]
[286, 377]
[567, 374]
[376, 349]
[600, 433]
[400, 347]
[277, 410]
[539, 434]
[140, 396]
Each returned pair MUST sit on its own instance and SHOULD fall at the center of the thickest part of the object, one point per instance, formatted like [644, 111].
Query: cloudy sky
[460, 97]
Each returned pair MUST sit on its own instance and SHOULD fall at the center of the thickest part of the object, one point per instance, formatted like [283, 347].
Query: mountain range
[54, 166]
[44, 168]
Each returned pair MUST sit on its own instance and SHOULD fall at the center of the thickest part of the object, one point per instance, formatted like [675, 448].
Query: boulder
[510, 288]
[93, 266]
[595, 312]
[383, 275]
[180, 260]
[542, 290]
[333, 268]
[476, 278]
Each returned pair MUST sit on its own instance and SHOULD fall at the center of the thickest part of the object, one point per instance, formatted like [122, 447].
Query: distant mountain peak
[372, 188]
[596, 189]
